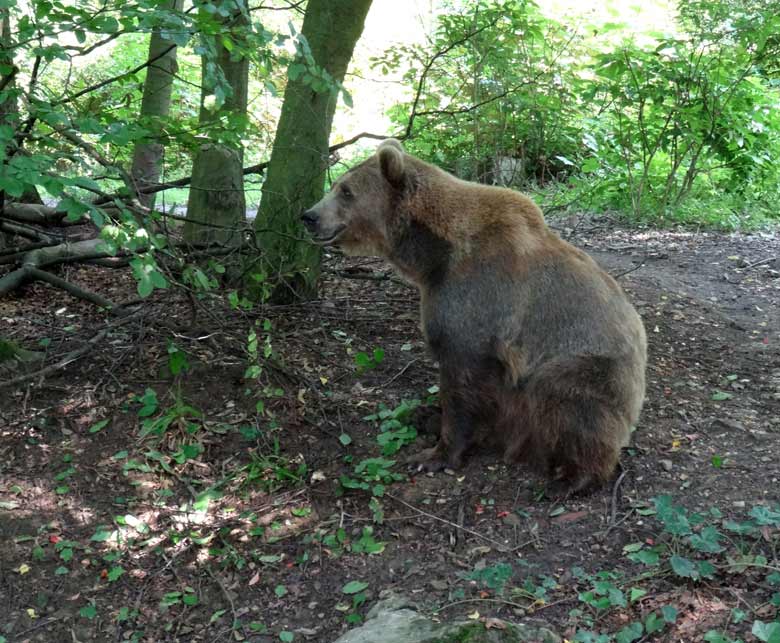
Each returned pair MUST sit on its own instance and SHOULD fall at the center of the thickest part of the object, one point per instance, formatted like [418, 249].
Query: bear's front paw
[433, 460]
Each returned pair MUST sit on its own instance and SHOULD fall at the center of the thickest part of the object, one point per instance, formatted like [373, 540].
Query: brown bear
[540, 351]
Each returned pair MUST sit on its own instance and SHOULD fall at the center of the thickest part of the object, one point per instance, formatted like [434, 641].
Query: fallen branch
[21, 251]
[33, 213]
[34, 260]
[54, 280]
[26, 231]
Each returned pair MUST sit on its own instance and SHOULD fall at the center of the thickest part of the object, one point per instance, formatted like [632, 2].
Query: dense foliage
[661, 127]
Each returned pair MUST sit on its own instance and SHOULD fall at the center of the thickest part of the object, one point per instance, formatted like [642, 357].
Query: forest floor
[139, 505]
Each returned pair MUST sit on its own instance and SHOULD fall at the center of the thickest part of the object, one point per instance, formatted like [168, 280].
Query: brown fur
[540, 351]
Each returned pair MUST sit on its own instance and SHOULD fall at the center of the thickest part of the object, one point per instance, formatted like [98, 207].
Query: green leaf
[654, 623]
[280, 590]
[101, 535]
[706, 569]
[590, 165]
[98, 426]
[767, 632]
[88, 611]
[708, 540]
[114, 573]
[345, 439]
[683, 567]
[636, 593]
[669, 613]
[765, 516]
[353, 587]
[190, 599]
[286, 636]
[720, 396]
[646, 557]
[714, 636]
[630, 633]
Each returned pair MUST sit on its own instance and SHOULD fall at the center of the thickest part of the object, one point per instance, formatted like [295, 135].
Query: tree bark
[217, 188]
[155, 106]
[295, 177]
[216, 197]
[8, 104]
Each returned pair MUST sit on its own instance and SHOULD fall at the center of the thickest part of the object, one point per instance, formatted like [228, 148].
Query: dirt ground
[222, 524]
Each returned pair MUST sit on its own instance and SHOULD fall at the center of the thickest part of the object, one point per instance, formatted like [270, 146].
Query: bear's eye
[346, 192]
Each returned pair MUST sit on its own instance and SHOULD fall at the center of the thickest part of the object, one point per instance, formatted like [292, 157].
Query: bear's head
[358, 213]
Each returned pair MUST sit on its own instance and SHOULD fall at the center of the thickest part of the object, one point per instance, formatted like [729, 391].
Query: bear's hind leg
[579, 419]
[579, 439]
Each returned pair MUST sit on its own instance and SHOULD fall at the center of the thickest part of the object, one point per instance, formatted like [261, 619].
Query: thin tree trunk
[217, 188]
[155, 106]
[7, 106]
[296, 172]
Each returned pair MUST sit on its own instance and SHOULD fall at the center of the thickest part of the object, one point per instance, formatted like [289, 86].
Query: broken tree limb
[54, 280]
[33, 261]
[33, 213]
[26, 231]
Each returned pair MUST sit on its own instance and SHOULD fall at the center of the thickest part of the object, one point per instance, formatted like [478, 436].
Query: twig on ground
[641, 264]
[501, 546]
[399, 373]
[760, 263]
[615, 492]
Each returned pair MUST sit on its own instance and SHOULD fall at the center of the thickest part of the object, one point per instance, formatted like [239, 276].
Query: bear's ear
[391, 161]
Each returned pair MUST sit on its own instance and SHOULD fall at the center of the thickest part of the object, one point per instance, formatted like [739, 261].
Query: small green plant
[177, 360]
[272, 471]
[394, 427]
[365, 362]
[355, 589]
[373, 475]
[494, 577]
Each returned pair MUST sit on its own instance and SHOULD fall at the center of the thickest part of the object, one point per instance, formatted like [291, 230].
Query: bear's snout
[310, 219]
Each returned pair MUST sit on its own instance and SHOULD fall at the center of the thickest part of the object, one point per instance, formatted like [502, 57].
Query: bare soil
[97, 523]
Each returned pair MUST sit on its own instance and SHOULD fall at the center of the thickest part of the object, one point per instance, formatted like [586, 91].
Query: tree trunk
[217, 188]
[296, 172]
[220, 200]
[8, 103]
[155, 106]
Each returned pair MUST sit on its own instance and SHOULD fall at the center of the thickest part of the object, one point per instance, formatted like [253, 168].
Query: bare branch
[429, 65]
[113, 79]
